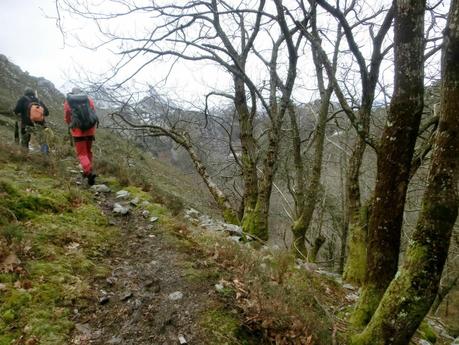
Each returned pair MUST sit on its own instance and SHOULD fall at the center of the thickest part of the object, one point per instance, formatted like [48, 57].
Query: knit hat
[28, 91]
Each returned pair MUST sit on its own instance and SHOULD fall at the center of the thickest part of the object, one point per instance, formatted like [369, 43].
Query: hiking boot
[91, 179]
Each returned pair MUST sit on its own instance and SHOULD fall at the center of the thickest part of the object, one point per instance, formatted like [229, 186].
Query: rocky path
[147, 298]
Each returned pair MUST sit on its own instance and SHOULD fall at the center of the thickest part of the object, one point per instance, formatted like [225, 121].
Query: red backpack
[36, 112]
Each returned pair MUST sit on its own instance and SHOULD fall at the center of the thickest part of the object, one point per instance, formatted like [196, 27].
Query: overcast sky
[33, 40]
[35, 43]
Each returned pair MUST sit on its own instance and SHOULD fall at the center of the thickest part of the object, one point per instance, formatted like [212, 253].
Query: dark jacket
[21, 109]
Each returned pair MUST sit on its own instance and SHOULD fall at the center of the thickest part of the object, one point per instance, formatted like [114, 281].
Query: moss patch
[426, 332]
[224, 327]
[58, 233]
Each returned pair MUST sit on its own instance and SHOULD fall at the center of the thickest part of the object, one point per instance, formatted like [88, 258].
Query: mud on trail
[148, 298]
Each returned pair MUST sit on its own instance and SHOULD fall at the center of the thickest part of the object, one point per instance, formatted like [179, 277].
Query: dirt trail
[135, 304]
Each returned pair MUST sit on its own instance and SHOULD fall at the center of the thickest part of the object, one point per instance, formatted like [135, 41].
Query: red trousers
[83, 151]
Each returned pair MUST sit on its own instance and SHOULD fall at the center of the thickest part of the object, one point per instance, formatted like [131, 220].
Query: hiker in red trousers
[81, 117]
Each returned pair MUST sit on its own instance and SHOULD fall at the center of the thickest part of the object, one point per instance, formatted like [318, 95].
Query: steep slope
[74, 272]
[114, 154]
[71, 271]
[12, 83]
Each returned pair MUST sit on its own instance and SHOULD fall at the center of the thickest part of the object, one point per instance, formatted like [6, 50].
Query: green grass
[59, 234]
[224, 327]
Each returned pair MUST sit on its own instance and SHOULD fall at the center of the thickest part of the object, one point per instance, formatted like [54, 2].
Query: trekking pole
[16, 132]
[70, 136]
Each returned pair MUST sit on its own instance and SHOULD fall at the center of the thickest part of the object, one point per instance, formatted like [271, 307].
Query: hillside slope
[72, 271]
[113, 153]
[12, 83]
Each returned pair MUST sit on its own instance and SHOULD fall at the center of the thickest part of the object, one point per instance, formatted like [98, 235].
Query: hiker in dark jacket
[82, 137]
[27, 126]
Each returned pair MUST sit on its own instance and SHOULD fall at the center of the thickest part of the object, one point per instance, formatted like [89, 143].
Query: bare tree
[360, 119]
[412, 292]
[223, 34]
[305, 190]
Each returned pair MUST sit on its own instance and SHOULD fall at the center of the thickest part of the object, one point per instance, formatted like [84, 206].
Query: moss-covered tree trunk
[248, 158]
[356, 263]
[298, 226]
[318, 243]
[394, 157]
[306, 195]
[306, 198]
[256, 223]
[248, 146]
[355, 266]
[369, 74]
[411, 294]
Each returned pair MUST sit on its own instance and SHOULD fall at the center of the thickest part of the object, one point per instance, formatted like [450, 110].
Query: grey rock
[120, 209]
[353, 297]
[310, 266]
[182, 340]
[145, 203]
[424, 342]
[153, 219]
[104, 300]
[232, 229]
[83, 328]
[135, 201]
[192, 213]
[100, 188]
[96, 334]
[145, 213]
[175, 296]
[122, 194]
[111, 281]
[115, 340]
[440, 329]
[329, 274]
[153, 285]
[126, 296]
[236, 239]
[349, 286]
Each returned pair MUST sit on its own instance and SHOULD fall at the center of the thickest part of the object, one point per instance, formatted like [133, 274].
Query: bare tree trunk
[259, 223]
[355, 267]
[248, 146]
[318, 243]
[298, 226]
[411, 294]
[342, 225]
[306, 211]
[394, 158]
[256, 222]
[228, 212]
[369, 74]
[306, 196]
